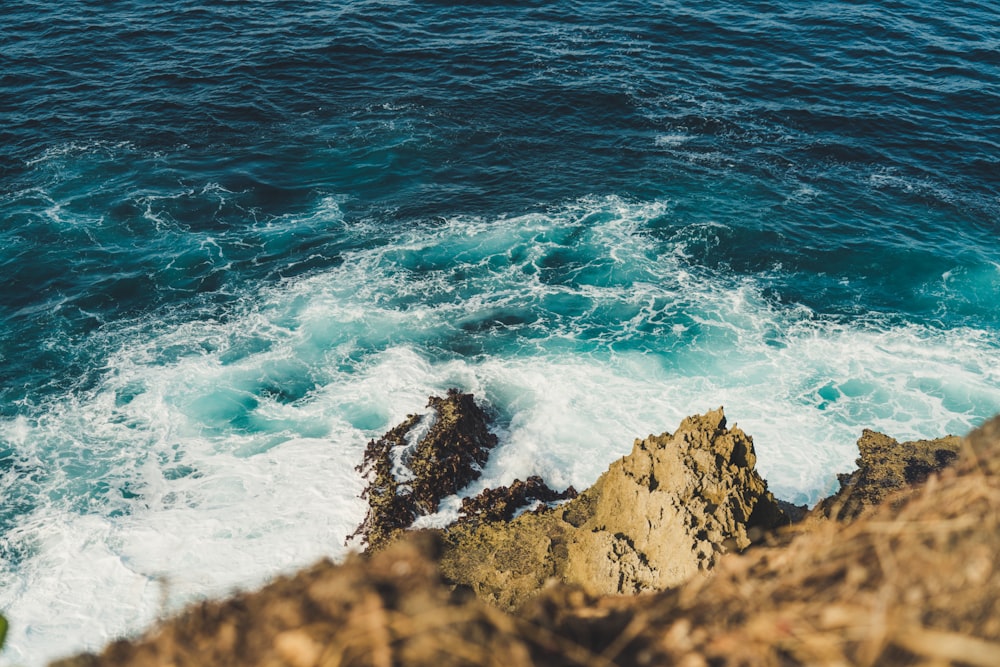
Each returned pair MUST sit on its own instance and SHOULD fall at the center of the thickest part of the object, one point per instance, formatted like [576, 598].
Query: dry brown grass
[915, 586]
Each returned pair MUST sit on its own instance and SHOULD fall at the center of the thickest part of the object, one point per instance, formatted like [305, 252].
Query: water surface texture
[239, 239]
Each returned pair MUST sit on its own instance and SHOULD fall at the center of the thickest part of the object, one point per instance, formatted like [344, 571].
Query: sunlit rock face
[656, 518]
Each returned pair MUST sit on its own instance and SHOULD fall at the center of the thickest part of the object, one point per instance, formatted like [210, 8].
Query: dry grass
[917, 586]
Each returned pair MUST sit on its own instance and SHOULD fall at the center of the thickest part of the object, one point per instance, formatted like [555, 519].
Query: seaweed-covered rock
[885, 466]
[416, 464]
[503, 502]
[653, 520]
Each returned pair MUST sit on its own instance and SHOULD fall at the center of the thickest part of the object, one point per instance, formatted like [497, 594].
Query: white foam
[401, 455]
[232, 523]
[673, 139]
[75, 148]
[215, 454]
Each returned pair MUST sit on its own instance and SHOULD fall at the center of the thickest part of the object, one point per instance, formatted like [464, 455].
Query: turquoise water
[238, 240]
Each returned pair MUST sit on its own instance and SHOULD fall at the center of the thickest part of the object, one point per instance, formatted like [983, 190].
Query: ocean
[239, 239]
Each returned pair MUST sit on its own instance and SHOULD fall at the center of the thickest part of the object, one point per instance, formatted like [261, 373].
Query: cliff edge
[913, 579]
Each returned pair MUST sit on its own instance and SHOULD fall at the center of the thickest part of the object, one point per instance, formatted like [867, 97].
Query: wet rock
[656, 518]
[885, 466]
[795, 513]
[502, 503]
[419, 462]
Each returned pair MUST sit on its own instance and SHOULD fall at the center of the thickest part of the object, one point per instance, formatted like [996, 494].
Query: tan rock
[652, 521]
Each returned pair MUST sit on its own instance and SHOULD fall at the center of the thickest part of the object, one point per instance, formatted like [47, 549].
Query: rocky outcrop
[656, 518]
[503, 502]
[886, 466]
[665, 511]
[914, 581]
[416, 464]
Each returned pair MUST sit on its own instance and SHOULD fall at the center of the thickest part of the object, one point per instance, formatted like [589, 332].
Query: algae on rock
[419, 462]
[503, 502]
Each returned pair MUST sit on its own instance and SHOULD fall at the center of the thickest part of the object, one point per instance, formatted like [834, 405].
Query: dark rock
[502, 503]
[419, 462]
[795, 513]
[885, 466]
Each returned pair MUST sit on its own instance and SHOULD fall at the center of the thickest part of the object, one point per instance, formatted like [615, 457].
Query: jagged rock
[503, 502]
[419, 462]
[913, 581]
[653, 520]
[884, 466]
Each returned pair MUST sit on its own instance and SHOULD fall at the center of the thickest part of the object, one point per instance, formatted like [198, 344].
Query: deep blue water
[238, 239]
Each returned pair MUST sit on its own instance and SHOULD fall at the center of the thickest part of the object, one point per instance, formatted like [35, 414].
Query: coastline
[894, 567]
[242, 240]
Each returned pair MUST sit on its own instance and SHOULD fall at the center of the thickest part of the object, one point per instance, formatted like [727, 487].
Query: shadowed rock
[885, 466]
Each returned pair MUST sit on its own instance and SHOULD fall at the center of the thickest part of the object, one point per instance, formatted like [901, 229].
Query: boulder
[656, 518]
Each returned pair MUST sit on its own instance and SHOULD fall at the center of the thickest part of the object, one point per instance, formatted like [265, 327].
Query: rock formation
[503, 502]
[885, 466]
[915, 580]
[429, 457]
[424, 459]
[653, 520]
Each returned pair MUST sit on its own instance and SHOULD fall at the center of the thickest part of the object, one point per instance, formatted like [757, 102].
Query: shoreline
[501, 608]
